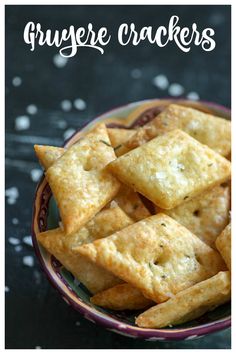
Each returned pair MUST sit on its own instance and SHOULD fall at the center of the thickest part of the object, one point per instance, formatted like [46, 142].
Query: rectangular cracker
[47, 155]
[131, 203]
[79, 180]
[60, 245]
[156, 255]
[206, 215]
[189, 303]
[171, 168]
[121, 297]
[206, 128]
[223, 244]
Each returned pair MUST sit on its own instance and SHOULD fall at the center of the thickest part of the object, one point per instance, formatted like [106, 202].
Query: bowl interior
[46, 216]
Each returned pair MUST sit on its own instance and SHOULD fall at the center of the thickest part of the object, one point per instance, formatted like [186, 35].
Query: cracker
[118, 136]
[206, 215]
[79, 180]
[189, 303]
[131, 203]
[47, 155]
[206, 128]
[171, 168]
[121, 297]
[223, 244]
[156, 255]
[60, 245]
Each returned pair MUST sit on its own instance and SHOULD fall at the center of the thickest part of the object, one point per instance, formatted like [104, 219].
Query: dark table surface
[35, 313]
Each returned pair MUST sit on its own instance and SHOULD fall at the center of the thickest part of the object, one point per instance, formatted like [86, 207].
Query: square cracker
[60, 245]
[79, 180]
[171, 168]
[223, 244]
[206, 128]
[121, 297]
[131, 203]
[156, 255]
[47, 155]
[189, 303]
[206, 215]
[126, 198]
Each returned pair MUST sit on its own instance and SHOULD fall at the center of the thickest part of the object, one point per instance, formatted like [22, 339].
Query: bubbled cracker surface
[207, 129]
[79, 180]
[189, 303]
[157, 255]
[171, 169]
[205, 215]
[47, 155]
[60, 245]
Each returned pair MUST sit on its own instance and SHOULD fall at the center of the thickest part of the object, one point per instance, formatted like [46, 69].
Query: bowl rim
[110, 323]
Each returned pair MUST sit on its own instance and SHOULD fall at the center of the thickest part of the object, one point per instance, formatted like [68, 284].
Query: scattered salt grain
[113, 204]
[31, 109]
[15, 221]
[66, 105]
[176, 90]
[161, 82]
[61, 124]
[13, 241]
[18, 248]
[194, 96]
[59, 61]
[28, 240]
[22, 123]
[136, 73]
[68, 133]
[160, 175]
[216, 19]
[11, 201]
[80, 104]
[37, 276]
[28, 261]
[16, 81]
[7, 289]
[35, 174]
[77, 323]
[193, 124]
[12, 194]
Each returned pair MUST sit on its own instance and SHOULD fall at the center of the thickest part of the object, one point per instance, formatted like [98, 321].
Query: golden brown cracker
[206, 215]
[223, 244]
[60, 245]
[131, 203]
[79, 180]
[171, 169]
[118, 136]
[156, 255]
[121, 297]
[206, 128]
[47, 155]
[189, 303]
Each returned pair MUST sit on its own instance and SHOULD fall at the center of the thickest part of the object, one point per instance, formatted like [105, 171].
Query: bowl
[46, 216]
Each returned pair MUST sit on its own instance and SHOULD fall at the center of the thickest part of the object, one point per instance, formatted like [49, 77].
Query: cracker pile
[145, 215]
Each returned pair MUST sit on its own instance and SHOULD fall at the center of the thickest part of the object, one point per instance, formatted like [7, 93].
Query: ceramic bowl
[45, 216]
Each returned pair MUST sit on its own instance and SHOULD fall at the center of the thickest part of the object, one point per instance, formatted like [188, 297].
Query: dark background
[35, 313]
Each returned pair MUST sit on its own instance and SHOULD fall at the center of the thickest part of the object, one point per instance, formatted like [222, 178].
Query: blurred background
[47, 99]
